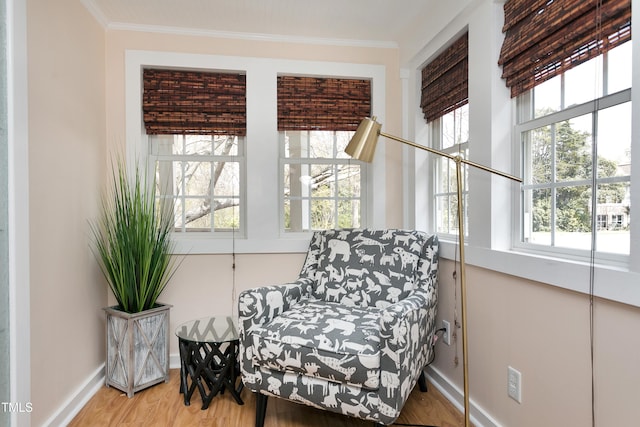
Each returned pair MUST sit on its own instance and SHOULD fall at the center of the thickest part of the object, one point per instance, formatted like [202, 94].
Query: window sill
[611, 282]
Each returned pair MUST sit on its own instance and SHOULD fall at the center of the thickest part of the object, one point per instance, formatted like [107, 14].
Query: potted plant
[134, 250]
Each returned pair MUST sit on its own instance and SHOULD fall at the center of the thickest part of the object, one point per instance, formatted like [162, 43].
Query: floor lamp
[362, 147]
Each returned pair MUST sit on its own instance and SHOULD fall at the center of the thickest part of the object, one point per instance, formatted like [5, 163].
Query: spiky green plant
[132, 241]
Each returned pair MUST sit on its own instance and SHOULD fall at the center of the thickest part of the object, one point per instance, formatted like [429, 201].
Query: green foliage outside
[573, 163]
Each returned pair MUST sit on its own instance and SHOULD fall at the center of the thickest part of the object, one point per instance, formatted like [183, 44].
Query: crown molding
[96, 12]
[279, 38]
[108, 25]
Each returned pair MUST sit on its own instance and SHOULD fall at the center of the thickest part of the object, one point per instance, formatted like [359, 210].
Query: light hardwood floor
[163, 405]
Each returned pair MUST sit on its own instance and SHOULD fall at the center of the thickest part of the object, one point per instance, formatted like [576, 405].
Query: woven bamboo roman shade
[315, 103]
[445, 80]
[194, 102]
[545, 38]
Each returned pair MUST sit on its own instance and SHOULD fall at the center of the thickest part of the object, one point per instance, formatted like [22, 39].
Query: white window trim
[18, 209]
[262, 198]
[589, 107]
[436, 131]
[495, 201]
[314, 161]
[237, 158]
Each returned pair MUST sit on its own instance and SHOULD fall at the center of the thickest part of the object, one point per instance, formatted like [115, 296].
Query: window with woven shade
[317, 116]
[445, 105]
[196, 122]
[568, 63]
[194, 102]
[445, 80]
[545, 38]
[322, 103]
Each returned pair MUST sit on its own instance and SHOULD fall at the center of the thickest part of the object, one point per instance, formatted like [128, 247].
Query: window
[196, 122]
[571, 75]
[201, 174]
[445, 107]
[256, 223]
[602, 222]
[322, 186]
[451, 133]
[575, 131]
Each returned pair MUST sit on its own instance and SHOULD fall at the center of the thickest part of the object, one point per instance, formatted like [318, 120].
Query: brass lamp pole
[362, 147]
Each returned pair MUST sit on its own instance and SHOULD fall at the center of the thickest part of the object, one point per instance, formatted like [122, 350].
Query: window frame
[523, 108]
[462, 148]
[239, 158]
[262, 146]
[336, 160]
[494, 201]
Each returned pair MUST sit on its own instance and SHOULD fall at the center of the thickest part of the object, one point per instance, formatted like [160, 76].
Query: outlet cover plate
[514, 384]
[446, 336]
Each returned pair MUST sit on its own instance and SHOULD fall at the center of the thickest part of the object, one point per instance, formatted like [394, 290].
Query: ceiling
[365, 22]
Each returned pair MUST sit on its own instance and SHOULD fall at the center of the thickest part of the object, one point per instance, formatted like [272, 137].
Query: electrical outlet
[446, 335]
[514, 384]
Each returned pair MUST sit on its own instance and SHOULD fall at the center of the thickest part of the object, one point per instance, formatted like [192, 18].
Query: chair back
[363, 267]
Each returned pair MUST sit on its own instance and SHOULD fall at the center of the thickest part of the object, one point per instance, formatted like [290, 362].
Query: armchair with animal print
[353, 333]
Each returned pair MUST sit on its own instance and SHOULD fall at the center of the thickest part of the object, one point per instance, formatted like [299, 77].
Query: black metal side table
[208, 356]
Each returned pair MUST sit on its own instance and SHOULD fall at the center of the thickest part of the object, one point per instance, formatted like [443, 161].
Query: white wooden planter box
[137, 348]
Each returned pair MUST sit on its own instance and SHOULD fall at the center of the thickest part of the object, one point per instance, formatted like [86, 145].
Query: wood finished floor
[162, 405]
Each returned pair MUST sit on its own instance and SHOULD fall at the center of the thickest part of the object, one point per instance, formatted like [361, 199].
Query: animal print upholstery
[353, 333]
[367, 267]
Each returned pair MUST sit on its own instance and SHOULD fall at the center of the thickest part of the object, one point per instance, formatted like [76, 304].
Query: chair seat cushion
[323, 339]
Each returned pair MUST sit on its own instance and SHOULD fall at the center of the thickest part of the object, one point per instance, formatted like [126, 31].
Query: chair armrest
[406, 331]
[260, 305]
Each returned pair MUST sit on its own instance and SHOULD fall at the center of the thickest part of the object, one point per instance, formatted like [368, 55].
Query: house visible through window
[559, 154]
[574, 124]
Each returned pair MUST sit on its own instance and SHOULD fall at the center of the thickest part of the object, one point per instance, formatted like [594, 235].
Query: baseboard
[76, 402]
[174, 361]
[478, 416]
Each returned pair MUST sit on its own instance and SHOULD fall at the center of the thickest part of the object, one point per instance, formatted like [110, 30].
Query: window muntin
[322, 186]
[202, 175]
[451, 135]
[608, 73]
[568, 126]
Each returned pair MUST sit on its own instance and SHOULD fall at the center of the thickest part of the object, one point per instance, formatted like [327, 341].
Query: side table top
[214, 329]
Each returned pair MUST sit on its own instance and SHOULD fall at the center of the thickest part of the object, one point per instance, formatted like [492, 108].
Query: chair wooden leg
[261, 409]
[422, 382]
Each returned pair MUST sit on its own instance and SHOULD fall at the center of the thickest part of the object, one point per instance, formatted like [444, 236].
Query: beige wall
[204, 284]
[66, 64]
[543, 332]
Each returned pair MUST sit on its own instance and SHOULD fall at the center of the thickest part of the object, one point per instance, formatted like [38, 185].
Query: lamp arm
[453, 157]
[418, 146]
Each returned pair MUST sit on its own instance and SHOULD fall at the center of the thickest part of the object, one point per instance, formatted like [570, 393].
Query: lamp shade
[363, 144]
